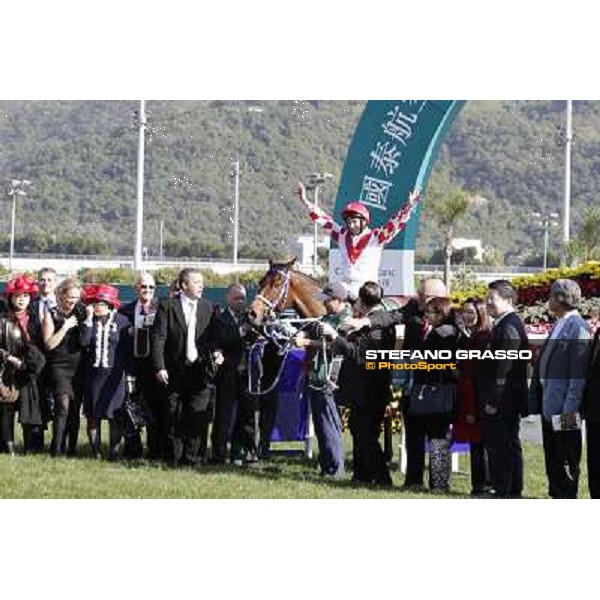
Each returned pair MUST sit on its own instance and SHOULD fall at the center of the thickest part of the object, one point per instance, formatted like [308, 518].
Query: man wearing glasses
[141, 314]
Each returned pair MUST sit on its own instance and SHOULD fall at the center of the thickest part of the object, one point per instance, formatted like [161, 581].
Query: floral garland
[102, 339]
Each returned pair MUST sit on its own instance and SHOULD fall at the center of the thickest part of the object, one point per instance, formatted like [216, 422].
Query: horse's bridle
[279, 303]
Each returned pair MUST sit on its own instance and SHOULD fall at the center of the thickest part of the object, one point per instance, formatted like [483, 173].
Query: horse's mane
[309, 277]
[285, 267]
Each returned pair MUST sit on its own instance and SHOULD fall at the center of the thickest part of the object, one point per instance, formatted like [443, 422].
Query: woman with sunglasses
[440, 333]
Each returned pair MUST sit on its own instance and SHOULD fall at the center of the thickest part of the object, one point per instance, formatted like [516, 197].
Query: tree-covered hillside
[81, 159]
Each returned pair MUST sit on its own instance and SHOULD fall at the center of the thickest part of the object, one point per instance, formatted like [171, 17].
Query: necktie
[191, 350]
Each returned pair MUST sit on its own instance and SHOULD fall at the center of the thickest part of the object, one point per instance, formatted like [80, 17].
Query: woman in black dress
[60, 331]
[104, 337]
[33, 414]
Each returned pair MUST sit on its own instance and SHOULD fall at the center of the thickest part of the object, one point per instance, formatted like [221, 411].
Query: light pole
[316, 180]
[139, 221]
[547, 220]
[236, 212]
[161, 234]
[236, 206]
[16, 189]
[567, 201]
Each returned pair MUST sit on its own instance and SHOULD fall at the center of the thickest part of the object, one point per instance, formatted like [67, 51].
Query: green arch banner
[392, 152]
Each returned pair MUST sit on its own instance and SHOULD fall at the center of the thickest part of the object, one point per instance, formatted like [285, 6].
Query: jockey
[360, 246]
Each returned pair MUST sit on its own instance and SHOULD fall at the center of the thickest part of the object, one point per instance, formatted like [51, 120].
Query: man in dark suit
[182, 353]
[367, 392]
[141, 314]
[502, 388]
[412, 315]
[235, 409]
[46, 300]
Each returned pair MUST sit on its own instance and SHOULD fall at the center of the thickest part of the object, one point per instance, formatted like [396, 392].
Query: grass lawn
[281, 477]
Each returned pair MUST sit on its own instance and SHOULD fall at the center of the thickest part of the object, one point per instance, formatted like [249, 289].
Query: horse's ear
[270, 263]
[292, 262]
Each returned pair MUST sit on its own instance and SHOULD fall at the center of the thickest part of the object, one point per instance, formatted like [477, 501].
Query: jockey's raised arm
[397, 223]
[318, 215]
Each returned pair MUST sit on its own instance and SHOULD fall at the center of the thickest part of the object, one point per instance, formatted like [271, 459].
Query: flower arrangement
[534, 290]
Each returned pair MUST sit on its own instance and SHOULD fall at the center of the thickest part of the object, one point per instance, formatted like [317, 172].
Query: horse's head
[273, 293]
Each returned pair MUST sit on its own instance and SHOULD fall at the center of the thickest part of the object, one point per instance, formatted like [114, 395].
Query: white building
[462, 243]
[303, 248]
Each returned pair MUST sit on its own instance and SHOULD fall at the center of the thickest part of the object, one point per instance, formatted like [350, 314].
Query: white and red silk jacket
[361, 254]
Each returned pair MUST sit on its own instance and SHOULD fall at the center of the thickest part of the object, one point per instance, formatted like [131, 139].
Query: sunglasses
[147, 287]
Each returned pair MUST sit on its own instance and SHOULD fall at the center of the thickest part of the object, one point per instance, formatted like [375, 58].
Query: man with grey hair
[559, 381]
[141, 313]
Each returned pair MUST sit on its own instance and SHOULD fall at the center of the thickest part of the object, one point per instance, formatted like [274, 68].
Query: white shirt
[188, 306]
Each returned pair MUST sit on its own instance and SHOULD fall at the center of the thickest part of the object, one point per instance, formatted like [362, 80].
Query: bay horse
[284, 287]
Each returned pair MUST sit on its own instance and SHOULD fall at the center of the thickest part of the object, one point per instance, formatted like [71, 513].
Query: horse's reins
[283, 293]
[282, 349]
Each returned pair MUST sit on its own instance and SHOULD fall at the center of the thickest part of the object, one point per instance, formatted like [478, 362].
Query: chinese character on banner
[400, 124]
[374, 192]
[385, 158]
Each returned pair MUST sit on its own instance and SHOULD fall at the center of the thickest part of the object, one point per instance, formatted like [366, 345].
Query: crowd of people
[481, 401]
[170, 367]
[176, 365]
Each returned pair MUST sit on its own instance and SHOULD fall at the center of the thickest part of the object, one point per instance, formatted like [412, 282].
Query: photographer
[146, 396]
[367, 392]
[325, 414]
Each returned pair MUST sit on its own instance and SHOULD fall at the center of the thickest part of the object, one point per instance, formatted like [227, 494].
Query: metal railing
[129, 258]
[480, 268]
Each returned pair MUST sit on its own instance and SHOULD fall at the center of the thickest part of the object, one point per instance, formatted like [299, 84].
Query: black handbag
[436, 400]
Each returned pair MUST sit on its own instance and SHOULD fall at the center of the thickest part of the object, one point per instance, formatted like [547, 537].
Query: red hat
[102, 292]
[22, 284]
[357, 209]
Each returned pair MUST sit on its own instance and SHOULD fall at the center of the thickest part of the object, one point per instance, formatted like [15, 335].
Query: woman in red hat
[104, 337]
[21, 364]
[60, 330]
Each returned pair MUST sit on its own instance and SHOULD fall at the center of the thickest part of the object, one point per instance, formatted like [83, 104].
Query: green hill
[81, 159]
